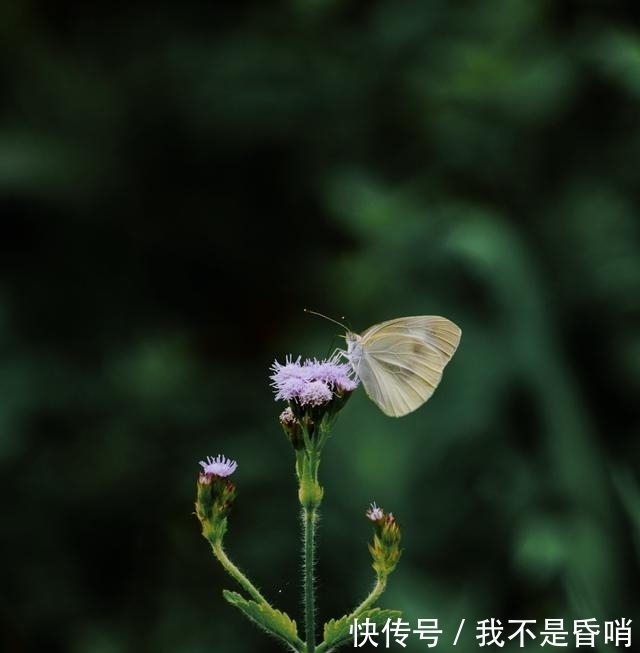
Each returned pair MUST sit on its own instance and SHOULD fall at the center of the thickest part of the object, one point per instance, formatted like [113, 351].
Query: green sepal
[277, 623]
[336, 631]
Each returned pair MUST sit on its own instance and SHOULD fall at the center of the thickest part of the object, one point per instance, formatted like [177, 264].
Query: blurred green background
[178, 181]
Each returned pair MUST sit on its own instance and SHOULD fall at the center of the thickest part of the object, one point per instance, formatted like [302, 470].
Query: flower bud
[292, 428]
[385, 549]
[215, 495]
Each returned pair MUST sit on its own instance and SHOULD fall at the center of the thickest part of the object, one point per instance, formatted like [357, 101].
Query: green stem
[374, 595]
[233, 571]
[309, 519]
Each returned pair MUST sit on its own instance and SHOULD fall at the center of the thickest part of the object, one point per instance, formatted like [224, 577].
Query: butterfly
[400, 362]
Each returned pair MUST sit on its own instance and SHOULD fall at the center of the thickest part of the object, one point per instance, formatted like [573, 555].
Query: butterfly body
[400, 361]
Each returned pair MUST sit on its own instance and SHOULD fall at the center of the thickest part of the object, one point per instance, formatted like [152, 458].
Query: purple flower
[374, 513]
[218, 466]
[312, 382]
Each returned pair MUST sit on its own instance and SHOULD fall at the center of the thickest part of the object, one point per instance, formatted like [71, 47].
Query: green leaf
[277, 623]
[336, 632]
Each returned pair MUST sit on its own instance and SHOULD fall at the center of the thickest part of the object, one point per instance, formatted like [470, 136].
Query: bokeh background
[178, 181]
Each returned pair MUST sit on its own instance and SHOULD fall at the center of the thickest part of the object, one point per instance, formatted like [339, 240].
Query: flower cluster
[312, 382]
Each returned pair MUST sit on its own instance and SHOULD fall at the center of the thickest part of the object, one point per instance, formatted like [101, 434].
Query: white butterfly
[400, 362]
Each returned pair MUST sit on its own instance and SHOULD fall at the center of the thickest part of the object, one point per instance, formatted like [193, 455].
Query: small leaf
[273, 621]
[336, 632]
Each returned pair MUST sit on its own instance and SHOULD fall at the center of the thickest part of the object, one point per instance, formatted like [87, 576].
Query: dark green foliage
[178, 182]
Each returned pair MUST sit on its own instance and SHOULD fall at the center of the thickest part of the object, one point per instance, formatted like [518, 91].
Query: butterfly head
[354, 349]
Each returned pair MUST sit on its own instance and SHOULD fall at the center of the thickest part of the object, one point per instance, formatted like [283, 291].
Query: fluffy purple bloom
[311, 382]
[218, 466]
[374, 513]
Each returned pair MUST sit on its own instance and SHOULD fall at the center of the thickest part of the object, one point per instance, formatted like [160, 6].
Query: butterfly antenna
[337, 350]
[306, 310]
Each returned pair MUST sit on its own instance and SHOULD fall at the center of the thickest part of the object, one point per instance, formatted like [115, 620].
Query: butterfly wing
[401, 361]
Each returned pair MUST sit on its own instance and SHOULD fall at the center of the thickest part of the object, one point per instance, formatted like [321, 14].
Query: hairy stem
[309, 521]
[374, 595]
[233, 571]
